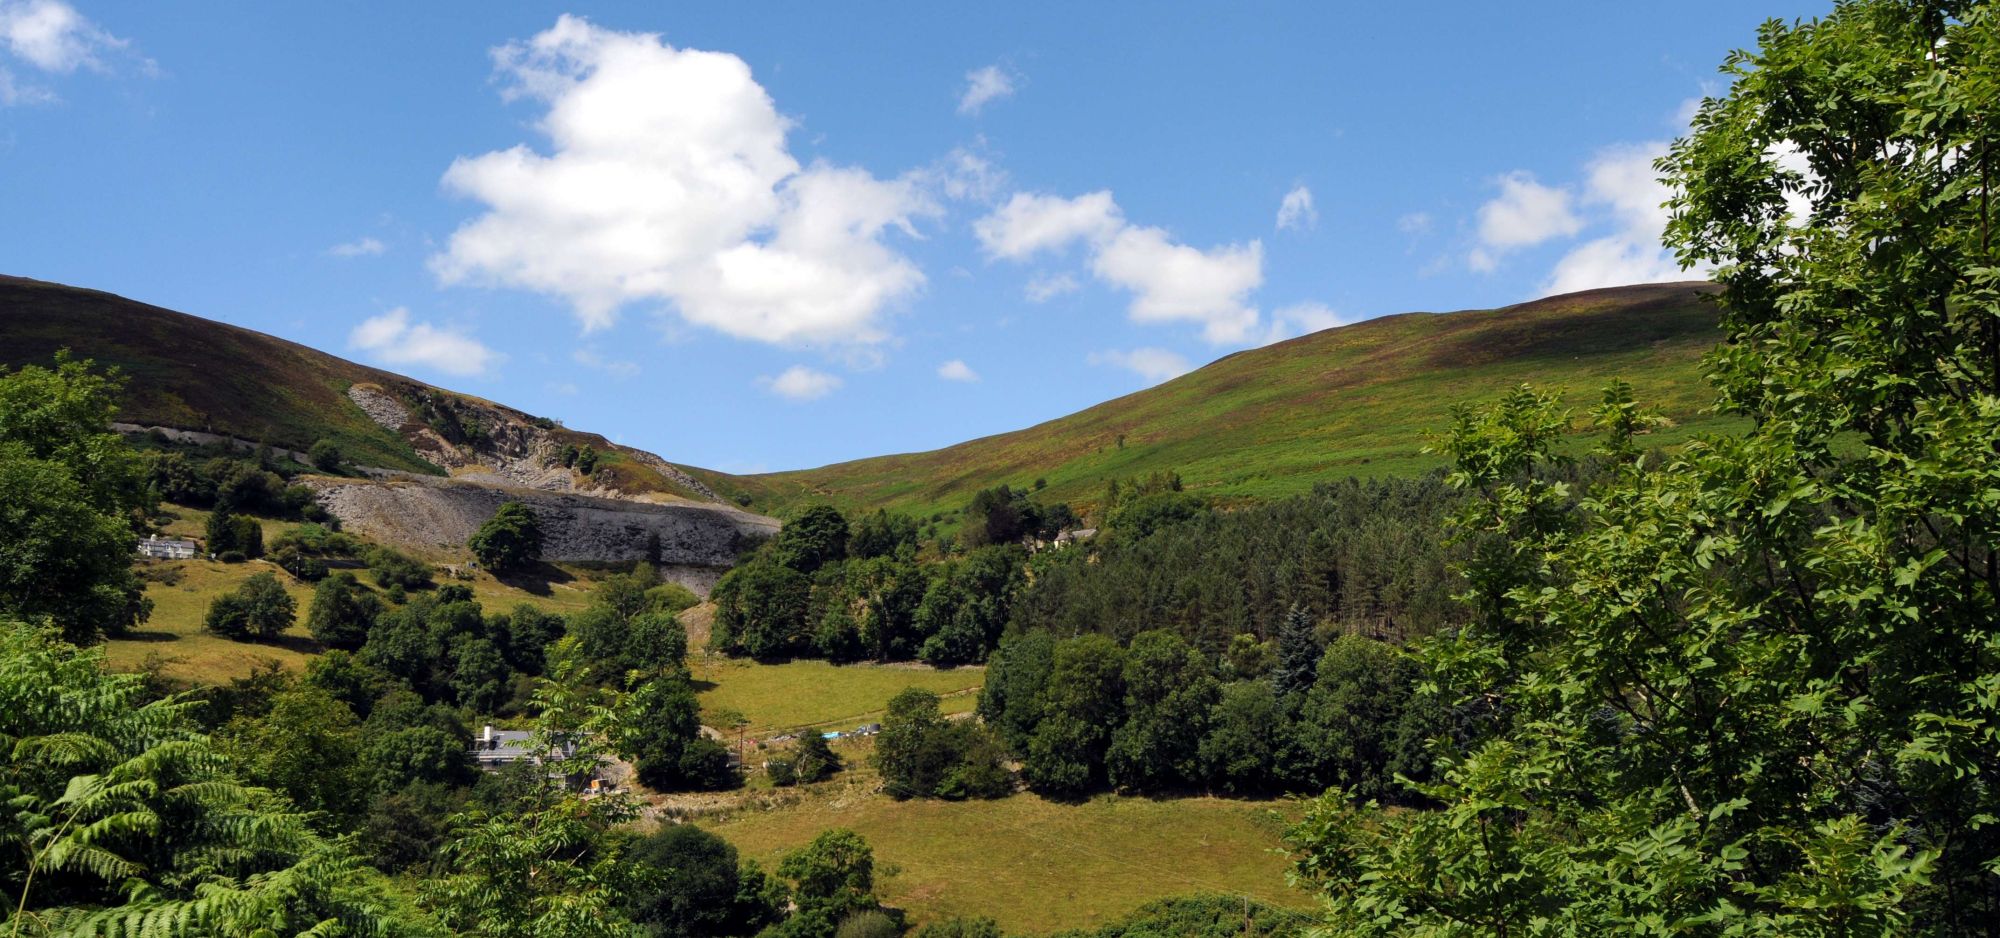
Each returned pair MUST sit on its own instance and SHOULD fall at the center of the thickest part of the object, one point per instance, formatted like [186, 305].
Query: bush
[782, 773]
[872, 923]
[260, 608]
[510, 540]
[325, 456]
[231, 556]
[392, 568]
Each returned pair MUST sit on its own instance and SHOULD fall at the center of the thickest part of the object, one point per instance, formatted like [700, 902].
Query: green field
[1031, 864]
[1359, 400]
[776, 697]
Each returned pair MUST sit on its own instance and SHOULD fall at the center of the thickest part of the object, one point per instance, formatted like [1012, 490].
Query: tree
[832, 877]
[1299, 652]
[1169, 691]
[1080, 705]
[1746, 687]
[914, 751]
[883, 535]
[696, 886]
[817, 537]
[661, 718]
[815, 760]
[1239, 753]
[342, 612]
[308, 747]
[511, 540]
[760, 610]
[68, 489]
[1346, 728]
[326, 455]
[258, 609]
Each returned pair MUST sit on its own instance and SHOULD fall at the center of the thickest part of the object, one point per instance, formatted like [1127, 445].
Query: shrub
[260, 608]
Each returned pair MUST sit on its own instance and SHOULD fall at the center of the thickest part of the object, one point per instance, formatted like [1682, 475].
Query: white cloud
[1046, 287]
[668, 179]
[1414, 223]
[394, 339]
[963, 174]
[359, 247]
[984, 86]
[1173, 282]
[1525, 213]
[1031, 223]
[800, 383]
[52, 36]
[1296, 212]
[1153, 364]
[956, 370]
[589, 358]
[1299, 319]
[1170, 282]
[1622, 181]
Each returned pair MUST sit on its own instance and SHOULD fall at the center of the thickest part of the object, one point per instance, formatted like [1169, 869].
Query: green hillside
[1356, 400]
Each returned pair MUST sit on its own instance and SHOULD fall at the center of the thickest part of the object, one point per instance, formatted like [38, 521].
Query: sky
[775, 236]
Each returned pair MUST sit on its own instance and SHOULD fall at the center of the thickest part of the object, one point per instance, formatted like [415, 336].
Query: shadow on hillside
[146, 635]
[536, 581]
[702, 687]
[298, 644]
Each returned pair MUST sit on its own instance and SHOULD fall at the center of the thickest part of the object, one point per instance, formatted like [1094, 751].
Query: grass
[1031, 864]
[189, 654]
[776, 697]
[1355, 401]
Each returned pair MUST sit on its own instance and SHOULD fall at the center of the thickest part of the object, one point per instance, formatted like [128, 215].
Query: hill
[429, 464]
[196, 376]
[1354, 400]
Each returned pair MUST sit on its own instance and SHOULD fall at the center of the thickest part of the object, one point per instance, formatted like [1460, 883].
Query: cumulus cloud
[589, 357]
[359, 247]
[1525, 213]
[667, 179]
[956, 370]
[799, 383]
[1153, 364]
[394, 339]
[1030, 223]
[984, 86]
[1046, 287]
[1177, 283]
[1299, 319]
[50, 36]
[1296, 211]
[1169, 282]
[1622, 182]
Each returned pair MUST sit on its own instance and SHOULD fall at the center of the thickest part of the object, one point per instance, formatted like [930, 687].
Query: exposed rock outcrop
[443, 513]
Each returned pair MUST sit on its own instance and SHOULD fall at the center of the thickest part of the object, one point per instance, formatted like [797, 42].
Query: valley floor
[1032, 864]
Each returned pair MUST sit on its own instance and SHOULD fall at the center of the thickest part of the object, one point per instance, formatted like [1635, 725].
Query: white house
[166, 548]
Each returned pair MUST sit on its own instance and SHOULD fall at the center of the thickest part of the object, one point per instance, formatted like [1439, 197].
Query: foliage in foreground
[1753, 689]
[120, 818]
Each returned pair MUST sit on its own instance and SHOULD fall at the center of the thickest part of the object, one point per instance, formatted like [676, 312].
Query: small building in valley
[166, 548]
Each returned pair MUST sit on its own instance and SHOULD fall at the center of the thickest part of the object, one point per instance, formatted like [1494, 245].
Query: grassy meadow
[1031, 864]
[777, 697]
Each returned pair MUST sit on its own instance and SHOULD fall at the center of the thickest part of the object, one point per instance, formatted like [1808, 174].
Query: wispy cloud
[1153, 364]
[394, 339]
[1296, 211]
[359, 247]
[799, 383]
[956, 370]
[984, 86]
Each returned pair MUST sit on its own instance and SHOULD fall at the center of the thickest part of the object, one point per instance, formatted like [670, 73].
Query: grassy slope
[1357, 400]
[1032, 864]
[174, 632]
[196, 374]
[776, 697]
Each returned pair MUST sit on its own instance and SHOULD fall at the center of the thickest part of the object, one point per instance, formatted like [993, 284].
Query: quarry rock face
[441, 514]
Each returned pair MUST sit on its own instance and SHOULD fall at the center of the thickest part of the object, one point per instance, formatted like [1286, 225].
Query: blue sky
[776, 236]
